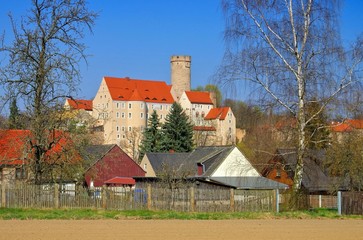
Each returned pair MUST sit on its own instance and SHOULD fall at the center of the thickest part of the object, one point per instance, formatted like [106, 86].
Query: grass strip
[90, 214]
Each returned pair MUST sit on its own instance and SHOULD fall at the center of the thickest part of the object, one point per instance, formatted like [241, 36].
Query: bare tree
[292, 51]
[43, 66]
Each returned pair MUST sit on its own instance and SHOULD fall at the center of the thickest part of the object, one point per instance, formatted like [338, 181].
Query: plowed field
[181, 229]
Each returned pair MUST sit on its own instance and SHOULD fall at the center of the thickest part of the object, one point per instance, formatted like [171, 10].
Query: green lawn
[24, 214]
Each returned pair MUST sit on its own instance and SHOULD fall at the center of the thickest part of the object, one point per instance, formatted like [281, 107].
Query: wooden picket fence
[186, 199]
[352, 203]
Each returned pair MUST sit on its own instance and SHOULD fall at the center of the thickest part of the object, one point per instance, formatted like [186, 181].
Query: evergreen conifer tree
[177, 131]
[14, 121]
[151, 141]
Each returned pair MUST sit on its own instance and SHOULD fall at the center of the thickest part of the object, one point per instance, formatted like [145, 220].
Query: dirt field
[181, 229]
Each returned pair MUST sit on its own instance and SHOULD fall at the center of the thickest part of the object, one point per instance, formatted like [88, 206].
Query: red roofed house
[12, 155]
[81, 111]
[16, 153]
[212, 126]
[346, 126]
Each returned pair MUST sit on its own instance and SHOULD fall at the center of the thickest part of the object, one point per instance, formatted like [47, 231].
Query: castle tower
[180, 75]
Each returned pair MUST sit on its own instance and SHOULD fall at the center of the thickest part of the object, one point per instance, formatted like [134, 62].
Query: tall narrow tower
[180, 75]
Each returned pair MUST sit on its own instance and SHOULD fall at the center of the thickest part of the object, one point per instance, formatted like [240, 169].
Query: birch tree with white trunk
[292, 50]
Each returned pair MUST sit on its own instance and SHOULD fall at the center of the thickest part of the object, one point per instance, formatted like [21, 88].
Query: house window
[130, 129]
[141, 115]
[130, 115]
[123, 105]
[130, 105]
[118, 136]
[20, 173]
[123, 115]
[161, 116]
[145, 166]
[117, 105]
[142, 105]
[161, 107]
[117, 115]
[117, 128]
[123, 128]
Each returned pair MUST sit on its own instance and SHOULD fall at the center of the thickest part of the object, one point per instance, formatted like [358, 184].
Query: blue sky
[136, 38]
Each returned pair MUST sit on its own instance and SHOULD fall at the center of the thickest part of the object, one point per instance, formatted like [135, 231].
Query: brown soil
[181, 229]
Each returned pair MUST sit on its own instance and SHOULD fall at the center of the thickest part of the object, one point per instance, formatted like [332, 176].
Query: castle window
[117, 105]
[130, 115]
[123, 128]
[141, 115]
[118, 136]
[123, 105]
[130, 105]
[123, 115]
[117, 128]
[130, 129]
[117, 115]
[142, 105]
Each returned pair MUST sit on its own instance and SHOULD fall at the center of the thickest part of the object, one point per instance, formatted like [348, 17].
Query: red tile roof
[217, 113]
[15, 149]
[199, 97]
[121, 181]
[126, 89]
[347, 125]
[12, 146]
[80, 104]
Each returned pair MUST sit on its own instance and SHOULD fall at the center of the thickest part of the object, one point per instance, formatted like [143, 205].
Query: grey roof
[93, 153]
[211, 157]
[174, 161]
[250, 182]
[314, 179]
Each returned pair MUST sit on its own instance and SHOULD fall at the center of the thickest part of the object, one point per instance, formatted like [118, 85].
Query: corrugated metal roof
[250, 182]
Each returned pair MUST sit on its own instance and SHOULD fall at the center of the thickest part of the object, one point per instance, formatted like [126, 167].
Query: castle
[122, 106]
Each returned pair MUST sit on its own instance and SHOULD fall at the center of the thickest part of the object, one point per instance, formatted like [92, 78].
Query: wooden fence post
[192, 199]
[3, 195]
[232, 200]
[104, 197]
[56, 195]
[149, 204]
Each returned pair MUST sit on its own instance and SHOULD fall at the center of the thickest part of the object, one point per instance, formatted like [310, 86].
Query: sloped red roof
[80, 104]
[126, 89]
[14, 147]
[199, 97]
[204, 128]
[217, 113]
[347, 125]
[121, 181]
